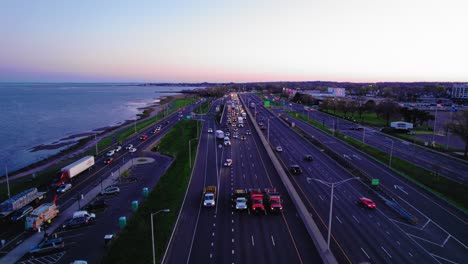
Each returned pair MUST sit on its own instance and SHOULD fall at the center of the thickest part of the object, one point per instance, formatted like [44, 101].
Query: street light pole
[95, 139]
[268, 131]
[7, 181]
[152, 231]
[190, 152]
[391, 154]
[332, 185]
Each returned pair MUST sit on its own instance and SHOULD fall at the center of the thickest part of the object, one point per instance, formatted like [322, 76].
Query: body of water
[35, 114]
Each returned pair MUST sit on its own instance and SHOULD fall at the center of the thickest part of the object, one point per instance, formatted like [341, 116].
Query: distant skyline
[233, 41]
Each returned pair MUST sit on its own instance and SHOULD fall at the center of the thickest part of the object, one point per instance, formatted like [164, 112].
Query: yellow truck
[40, 216]
[209, 196]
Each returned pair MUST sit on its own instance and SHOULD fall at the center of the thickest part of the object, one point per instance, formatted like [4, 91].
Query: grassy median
[431, 180]
[134, 242]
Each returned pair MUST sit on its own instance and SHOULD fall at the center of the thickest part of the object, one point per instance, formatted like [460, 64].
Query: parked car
[64, 187]
[308, 158]
[367, 203]
[110, 153]
[108, 160]
[117, 148]
[48, 246]
[77, 222]
[96, 205]
[279, 149]
[129, 146]
[110, 190]
[21, 213]
[295, 169]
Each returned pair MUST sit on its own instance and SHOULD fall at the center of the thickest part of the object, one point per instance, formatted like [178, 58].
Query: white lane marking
[410, 254]
[428, 221]
[335, 197]
[232, 240]
[214, 224]
[339, 220]
[232, 230]
[398, 242]
[387, 232]
[443, 244]
[244, 176]
[233, 251]
[253, 242]
[212, 244]
[357, 157]
[273, 240]
[386, 251]
[365, 253]
[356, 219]
[213, 234]
[211, 255]
[232, 221]
[320, 197]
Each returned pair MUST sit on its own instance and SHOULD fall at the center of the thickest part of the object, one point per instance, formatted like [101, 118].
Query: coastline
[79, 146]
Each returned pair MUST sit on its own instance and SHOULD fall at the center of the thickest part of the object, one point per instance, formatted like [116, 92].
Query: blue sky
[240, 41]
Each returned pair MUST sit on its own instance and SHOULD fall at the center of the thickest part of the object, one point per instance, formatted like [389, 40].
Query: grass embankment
[445, 187]
[370, 119]
[204, 107]
[134, 243]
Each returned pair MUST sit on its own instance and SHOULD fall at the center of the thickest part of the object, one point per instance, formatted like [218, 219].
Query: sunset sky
[238, 41]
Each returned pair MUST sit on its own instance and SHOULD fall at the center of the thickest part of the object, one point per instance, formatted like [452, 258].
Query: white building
[337, 92]
[460, 91]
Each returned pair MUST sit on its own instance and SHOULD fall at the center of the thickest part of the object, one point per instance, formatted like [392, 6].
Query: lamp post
[95, 139]
[391, 154]
[332, 185]
[7, 181]
[152, 230]
[190, 152]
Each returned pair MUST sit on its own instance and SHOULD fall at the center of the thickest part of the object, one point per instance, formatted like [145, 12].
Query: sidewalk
[23, 248]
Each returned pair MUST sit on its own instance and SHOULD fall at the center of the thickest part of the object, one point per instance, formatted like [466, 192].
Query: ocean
[36, 114]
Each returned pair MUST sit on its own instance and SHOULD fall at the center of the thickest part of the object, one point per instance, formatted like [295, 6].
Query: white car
[241, 203]
[131, 150]
[210, 130]
[110, 190]
[110, 153]
[118, 148]
[129, 146]
[279, 149]
[64, 187]
[228, 163]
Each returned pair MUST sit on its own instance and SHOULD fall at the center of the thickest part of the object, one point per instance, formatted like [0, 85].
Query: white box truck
[67, 173]
[219, 134]
[240, 121]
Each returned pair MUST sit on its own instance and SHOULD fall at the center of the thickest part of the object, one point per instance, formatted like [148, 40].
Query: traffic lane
[324, 194]
[411, 197]
[392, 214]
[179, 248]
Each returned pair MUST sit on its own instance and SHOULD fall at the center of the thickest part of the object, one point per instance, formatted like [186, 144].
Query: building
[460, 91]
[337, 92]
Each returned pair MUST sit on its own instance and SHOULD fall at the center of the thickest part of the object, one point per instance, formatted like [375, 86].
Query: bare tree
[459, 126]
[387, 109]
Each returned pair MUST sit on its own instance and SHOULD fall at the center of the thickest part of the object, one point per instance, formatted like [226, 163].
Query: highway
[376, 236]
[14, 233]
[221, 235]
[447, 166]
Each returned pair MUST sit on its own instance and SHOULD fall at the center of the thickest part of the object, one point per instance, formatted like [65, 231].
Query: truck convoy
[40, 216]
[19, 201]
[209, 196]
[256, 200]
[240, 199]
[219, 134]
[67, 173]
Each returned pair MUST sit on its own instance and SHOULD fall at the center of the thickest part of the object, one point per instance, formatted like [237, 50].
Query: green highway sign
[375, 182]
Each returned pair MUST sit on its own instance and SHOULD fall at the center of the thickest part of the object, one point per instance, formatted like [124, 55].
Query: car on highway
[48, 246]
[248, 132]
[295, 169]
[228, 163]
[64, 187]
[241, 203]
[76, 222]
[110, 190]
[144, 137]
[110, 153]
[96, 205]
[129, 146]
[367, 203]
[21, 213]
[243, 137]
[228, 134]
[308, 158]
[131, 150]
[158, 128]
[210, 130]
[108, 160]
[117, 148]
[235, 135]
[279, 149]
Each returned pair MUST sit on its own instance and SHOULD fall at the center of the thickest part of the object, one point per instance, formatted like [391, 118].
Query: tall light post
[134, 125]
[332, 185]
[95, 139]
[152, 230]
[7, 181]
[391, 154]
[190, 152]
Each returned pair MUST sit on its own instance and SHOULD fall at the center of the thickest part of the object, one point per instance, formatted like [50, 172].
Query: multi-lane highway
[363, 235]
[222, 235]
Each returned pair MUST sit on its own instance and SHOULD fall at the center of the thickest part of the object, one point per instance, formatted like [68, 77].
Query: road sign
[375, 182]
[266, 103]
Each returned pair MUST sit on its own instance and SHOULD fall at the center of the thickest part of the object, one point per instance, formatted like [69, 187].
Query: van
[78, 214]
[18, 215]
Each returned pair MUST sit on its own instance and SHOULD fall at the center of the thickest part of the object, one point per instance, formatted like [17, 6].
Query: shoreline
[78, 146]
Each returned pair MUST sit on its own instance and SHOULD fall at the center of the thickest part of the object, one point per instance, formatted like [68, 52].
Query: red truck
[273, 200]
[256, 200]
